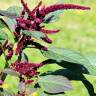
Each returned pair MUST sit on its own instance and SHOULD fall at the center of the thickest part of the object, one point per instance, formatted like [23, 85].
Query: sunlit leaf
[3, 35]
[73, 60]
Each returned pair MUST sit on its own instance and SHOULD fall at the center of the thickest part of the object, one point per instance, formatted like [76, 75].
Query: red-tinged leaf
[54, 83]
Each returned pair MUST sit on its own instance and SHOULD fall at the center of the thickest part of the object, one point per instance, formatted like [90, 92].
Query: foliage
[27, 25]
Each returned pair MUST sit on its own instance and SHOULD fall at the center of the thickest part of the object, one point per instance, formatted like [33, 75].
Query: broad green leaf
[7, 93]
[3, 36]
[60, 54]
[11, 72]
[12, 22]
[12, 12]
[54, 83]
[8, 14]
[15, 10]
[35, 34]
[73, 60]
[92, 63]
[2, 24]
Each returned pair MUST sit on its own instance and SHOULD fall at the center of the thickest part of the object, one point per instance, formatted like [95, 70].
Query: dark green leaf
[35, 34]
[67, 73]
[73, 60]
[54, 84]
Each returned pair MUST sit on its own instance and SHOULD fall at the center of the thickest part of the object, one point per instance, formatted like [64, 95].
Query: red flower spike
[38, 46]
[36, 8]
[29, 81]
[26, 68]
[20, 45]
[49, 31]
[10, 51]
[56, 7]
[35, 19]
[26, 9]
[46, 39]
[22, 14]
[4, 46]
[25, 24]
[17, 35]
[9, 55]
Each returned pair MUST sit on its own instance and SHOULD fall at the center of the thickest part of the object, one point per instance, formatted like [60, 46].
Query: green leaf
[92, 63]
[11, 72]
[12, 12]
[54, 83]
[35, 34]
[3, 36]
[53, 16]
[12, 22]
[8, 14]
[2, 24]
[15, 10]
[7, 92]
[44, 94]
[60, 54]
[73, 60]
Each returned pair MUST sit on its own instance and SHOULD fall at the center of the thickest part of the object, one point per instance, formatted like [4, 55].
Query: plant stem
[3, 75]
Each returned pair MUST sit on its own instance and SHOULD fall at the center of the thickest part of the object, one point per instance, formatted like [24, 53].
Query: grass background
[78, 32]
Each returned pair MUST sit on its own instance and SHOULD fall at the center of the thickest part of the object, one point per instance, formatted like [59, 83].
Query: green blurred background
[78, 32]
